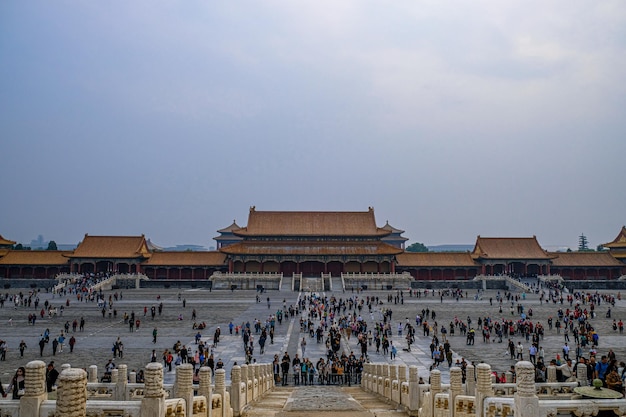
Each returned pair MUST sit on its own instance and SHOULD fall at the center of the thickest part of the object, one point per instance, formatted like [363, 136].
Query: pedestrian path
[335, 401]
[287, 338]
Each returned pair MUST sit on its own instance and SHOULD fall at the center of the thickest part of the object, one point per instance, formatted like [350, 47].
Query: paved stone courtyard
[218, 308]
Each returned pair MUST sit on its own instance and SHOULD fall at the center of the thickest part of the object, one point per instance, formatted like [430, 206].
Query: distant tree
[417, 247]
[583, 244]
[52, 245]
[601, 248]
[19, 246]
[569, 249]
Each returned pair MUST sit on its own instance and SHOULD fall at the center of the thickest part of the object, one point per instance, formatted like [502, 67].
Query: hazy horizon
[452, 120]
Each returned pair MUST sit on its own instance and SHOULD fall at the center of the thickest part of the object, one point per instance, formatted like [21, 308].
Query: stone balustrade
[354, 280]
[246, 280]
[481, 398]
[76, 396]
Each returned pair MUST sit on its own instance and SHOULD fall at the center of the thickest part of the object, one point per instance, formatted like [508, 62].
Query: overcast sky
[452, 119]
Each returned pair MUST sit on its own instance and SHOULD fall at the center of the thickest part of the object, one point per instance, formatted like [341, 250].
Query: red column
[231, 266]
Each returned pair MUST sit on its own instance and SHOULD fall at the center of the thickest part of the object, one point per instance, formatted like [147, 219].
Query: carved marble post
[183, 386]
[456, 384]
[470, 380]
[581, 375]
[483, 386]
[34, 388]
[363, 377]
[414, 391]
[121, 386]
[380, 379]
[551, 377]
[435, 382]
[255, 380]
[401, 373]
[114, 375]
[132, 377]
[153, 402]
[220, 389]
[393, 372]
[235, 390]
[65, 366]
[526, 400]
[205, 387]
[393, 378]
[263, 379]
[244, 380]
[509, 376]
[72, 393]
[93, 373]
[386, 382]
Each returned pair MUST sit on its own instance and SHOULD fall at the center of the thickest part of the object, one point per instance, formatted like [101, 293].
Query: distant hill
[185, 248]
[451, 248]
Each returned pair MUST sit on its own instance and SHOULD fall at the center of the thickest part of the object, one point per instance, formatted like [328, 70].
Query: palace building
[311, 244]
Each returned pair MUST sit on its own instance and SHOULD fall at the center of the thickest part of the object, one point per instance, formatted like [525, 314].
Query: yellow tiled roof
[35, 257]
[112, 247]
[311, 223]
[508, 248]
[436, 259]
[310, 248]
[233, 226]
[186, 259]
[619, 241]
[6, 242]
[579, 259]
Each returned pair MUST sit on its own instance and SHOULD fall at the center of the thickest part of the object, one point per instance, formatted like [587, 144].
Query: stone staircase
[324, 400]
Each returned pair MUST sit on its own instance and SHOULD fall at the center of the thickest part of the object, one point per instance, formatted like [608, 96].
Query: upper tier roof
[619, 241]
[35, 257]
[392, 229]
[580, 259]
[186, 259]
[112, 247]
[508, 248]
[311, 223]
[6, 242]
[435, 259]
[229, 229]
[310, 248]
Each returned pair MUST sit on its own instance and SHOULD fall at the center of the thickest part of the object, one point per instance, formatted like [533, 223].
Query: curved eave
[140, 256]
[303, 249]
[242, 233]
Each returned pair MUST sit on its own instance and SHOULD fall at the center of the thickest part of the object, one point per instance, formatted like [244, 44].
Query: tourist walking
[154, 335]
[16, 387]
[72, 343]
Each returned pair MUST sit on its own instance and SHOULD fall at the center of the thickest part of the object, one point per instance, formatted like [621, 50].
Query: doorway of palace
[288, 268]
[311, 269]
[334, 268]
